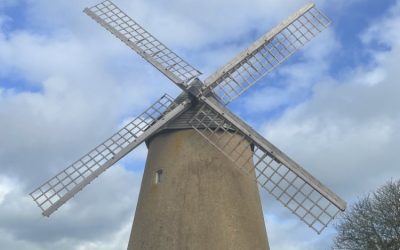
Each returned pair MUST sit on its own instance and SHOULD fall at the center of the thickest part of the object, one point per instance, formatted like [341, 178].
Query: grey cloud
[90, 82]
[103, 206]
[347, 133]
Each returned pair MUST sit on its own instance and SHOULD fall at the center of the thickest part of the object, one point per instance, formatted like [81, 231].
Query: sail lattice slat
[280, 180]
[137, 38]
[65, 184]
[266, 54]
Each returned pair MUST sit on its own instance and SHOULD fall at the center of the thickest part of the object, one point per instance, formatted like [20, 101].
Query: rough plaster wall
[202, 202]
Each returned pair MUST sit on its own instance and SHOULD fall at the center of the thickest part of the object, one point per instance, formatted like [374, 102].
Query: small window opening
[159, 176]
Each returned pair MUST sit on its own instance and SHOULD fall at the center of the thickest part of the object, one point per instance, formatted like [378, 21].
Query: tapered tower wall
[193, 198]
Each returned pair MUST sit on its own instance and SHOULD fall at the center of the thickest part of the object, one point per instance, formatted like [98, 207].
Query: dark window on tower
[158, 177]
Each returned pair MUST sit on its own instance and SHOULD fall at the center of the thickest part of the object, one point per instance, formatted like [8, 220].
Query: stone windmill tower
[199, 189]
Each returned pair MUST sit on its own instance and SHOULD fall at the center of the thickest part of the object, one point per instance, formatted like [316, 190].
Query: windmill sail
[62, 187]
[142, 42]
[266, 53]
[273, 170]
[283, 178]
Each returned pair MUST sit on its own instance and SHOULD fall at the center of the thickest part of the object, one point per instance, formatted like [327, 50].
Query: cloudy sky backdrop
[66, 85]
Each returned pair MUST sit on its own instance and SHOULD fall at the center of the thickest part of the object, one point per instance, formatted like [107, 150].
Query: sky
[66, 85]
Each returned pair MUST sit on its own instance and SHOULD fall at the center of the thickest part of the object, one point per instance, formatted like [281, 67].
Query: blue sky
[348, 28]
[66, 84]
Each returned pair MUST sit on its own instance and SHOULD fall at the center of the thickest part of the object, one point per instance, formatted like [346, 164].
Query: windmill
[221, 173]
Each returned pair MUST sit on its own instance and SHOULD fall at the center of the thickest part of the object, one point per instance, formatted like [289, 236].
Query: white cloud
[6, 187]
[385, 31]
[90, 82]
[290, 83]
[347, 133]
[118, 241]
[102, 211]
